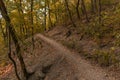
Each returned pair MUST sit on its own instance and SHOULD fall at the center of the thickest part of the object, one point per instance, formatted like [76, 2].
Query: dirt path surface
[73, 67]
[52, 61]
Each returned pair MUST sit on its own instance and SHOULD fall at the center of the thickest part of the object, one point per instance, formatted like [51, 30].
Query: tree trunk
[45, 17]
[77, 9]
[49, 13]
[14, 38]
[55, 11]
[95, 5]
[69, 13]
[9, 55]
[84, 10]
[32, 24]
[92, 6]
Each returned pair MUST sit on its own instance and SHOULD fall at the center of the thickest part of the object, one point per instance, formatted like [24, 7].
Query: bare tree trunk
[77, 8]
[9, 55]
[14, 38]
[32, 24]
[84, 10]
[67, 7]
[95, 5]
[55, 11]
[49, 13]
[92, 6]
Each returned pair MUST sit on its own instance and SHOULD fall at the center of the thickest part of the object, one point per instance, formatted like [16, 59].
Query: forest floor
[52, 61]
[86, 47]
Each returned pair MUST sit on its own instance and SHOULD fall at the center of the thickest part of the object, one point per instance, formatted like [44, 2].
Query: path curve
[84, 70]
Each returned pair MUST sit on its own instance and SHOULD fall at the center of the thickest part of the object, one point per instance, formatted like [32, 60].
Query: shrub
[105, 58]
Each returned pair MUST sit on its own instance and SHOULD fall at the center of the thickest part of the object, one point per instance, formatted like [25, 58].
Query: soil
[50, 60]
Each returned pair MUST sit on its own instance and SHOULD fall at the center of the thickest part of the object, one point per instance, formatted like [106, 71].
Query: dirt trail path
[54, 61]
[83, 70]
